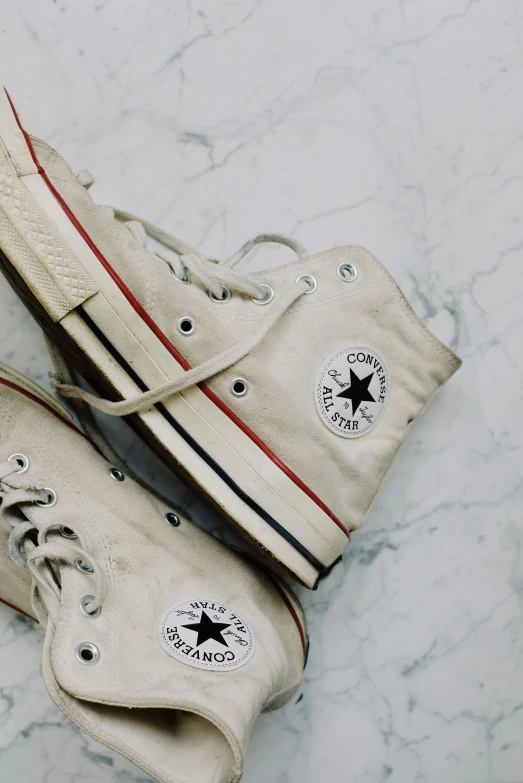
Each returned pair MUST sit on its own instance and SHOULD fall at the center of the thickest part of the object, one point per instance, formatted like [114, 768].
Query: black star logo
[207, 629]
[358, 391]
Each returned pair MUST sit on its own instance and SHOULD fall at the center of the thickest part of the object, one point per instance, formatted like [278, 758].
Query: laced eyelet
[186, 279]
[67, 532]
[84, 604]
[267, 298]
[186, 325]
[239, 387]
[347, 272]
[52, 497]
[21, 460]
[313, 283]
[85, 568]
[225, 298]
[116, 474]
[172, 518]
[87, 653]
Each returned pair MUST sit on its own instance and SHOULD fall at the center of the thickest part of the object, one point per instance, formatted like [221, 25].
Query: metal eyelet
[347, 272]
[186, 280]
[67, 532]
[85, 568]
[116, 474]
[87, 653]
[267, 298]
[21, 460]
[239, 387]
[225, 298]
[186, 325]
[313, 283]
[84, 604]
[52, 497]
[172, 518]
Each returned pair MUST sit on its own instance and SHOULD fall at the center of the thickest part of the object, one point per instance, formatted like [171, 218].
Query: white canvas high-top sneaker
[159, 641]
[284, 395]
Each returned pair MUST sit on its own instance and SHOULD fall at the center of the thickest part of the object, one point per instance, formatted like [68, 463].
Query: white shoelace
[188, 264]
[16, 491]
[219, 278]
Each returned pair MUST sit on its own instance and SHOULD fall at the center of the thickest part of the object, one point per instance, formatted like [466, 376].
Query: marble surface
[393, 124]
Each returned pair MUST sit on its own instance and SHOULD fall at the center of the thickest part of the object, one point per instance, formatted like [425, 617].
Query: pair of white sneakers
[283, 395]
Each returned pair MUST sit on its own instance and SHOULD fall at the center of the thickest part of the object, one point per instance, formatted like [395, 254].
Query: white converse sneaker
[159, 641]
[284, 394]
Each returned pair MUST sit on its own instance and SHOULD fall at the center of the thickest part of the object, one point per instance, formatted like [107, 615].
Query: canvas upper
[107, 540]
[281, 407]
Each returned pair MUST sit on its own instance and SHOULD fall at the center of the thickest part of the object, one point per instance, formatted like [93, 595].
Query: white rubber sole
[69, 282]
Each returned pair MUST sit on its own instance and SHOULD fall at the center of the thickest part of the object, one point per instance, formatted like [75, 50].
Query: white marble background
[394, 124]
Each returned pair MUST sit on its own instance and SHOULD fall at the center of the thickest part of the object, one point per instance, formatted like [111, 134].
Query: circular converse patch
[207, 635]
[351, 391]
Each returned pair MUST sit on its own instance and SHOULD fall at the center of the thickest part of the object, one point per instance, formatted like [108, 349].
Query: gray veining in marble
[393, 124]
